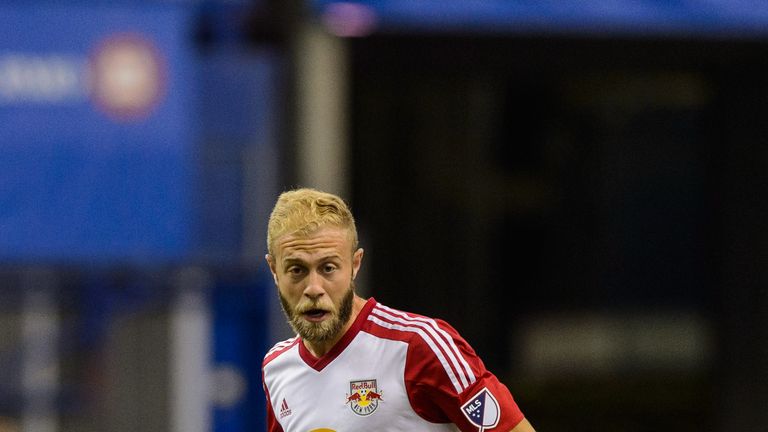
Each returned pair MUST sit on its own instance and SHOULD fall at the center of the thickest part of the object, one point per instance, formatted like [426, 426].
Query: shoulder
[428, 338]
[279, 349]
[410, 327]
[436, 350]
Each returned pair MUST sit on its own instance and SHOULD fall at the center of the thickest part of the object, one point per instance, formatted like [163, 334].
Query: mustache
[309, 305]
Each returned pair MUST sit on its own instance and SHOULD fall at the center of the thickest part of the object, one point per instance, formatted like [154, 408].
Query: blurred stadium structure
[580, 188]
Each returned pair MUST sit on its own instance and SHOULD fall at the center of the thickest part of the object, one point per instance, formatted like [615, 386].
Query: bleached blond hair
[303, 211]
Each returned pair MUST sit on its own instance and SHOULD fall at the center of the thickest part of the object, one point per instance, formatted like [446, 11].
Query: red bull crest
[364, 397]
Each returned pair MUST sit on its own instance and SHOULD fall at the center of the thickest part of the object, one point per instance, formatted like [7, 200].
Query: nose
[314, 288]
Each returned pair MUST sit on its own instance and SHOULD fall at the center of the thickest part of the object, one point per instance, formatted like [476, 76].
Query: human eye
[295, 270]
[329, 268]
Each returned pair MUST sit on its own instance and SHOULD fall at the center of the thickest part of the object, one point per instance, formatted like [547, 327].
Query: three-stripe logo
[284, 410]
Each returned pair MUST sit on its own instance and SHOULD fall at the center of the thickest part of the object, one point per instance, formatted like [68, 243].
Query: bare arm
[523, 426]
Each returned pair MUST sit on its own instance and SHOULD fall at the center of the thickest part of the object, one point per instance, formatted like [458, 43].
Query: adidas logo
[284, 410]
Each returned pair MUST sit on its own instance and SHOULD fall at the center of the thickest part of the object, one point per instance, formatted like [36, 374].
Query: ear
[357, 260]
[272, 266]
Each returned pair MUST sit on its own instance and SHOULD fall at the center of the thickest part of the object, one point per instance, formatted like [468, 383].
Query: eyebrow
[290, 260]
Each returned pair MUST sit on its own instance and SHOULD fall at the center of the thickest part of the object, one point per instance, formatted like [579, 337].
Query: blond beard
[325, 330]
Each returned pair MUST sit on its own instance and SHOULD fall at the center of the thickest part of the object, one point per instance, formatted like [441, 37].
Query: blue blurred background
[578, 187]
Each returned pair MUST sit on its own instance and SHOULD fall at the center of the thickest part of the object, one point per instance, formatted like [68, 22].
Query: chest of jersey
[361, 389]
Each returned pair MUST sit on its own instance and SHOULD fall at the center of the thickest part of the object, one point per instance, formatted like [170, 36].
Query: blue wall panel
[97, 148]
[241, 308]
[240, 92]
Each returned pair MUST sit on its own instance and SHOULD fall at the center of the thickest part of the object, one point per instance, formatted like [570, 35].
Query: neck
[319, 349]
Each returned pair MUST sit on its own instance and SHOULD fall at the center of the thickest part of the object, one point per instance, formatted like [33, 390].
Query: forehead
[326, 240]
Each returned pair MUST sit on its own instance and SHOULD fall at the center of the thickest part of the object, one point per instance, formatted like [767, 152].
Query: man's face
[314, 276]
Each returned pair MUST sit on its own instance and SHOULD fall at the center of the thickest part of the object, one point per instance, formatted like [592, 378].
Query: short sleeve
[448, 383]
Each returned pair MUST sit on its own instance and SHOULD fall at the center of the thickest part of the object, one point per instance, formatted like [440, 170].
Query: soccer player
[355, 364]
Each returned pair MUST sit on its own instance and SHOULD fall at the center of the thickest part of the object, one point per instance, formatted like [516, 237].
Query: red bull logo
[364, 397]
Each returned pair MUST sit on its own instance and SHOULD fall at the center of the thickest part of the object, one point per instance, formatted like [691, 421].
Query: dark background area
[501, 178]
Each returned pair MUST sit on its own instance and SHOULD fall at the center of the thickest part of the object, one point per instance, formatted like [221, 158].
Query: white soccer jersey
[392, 371]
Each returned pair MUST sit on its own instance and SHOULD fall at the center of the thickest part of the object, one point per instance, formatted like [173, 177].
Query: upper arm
[449, 383]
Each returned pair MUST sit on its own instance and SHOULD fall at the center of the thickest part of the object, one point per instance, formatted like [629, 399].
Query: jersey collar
[318, 363]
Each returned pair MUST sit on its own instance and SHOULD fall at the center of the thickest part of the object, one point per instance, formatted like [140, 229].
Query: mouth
[314, 315]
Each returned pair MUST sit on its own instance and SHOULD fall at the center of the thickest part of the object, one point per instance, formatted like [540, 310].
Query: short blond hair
[303, 211]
